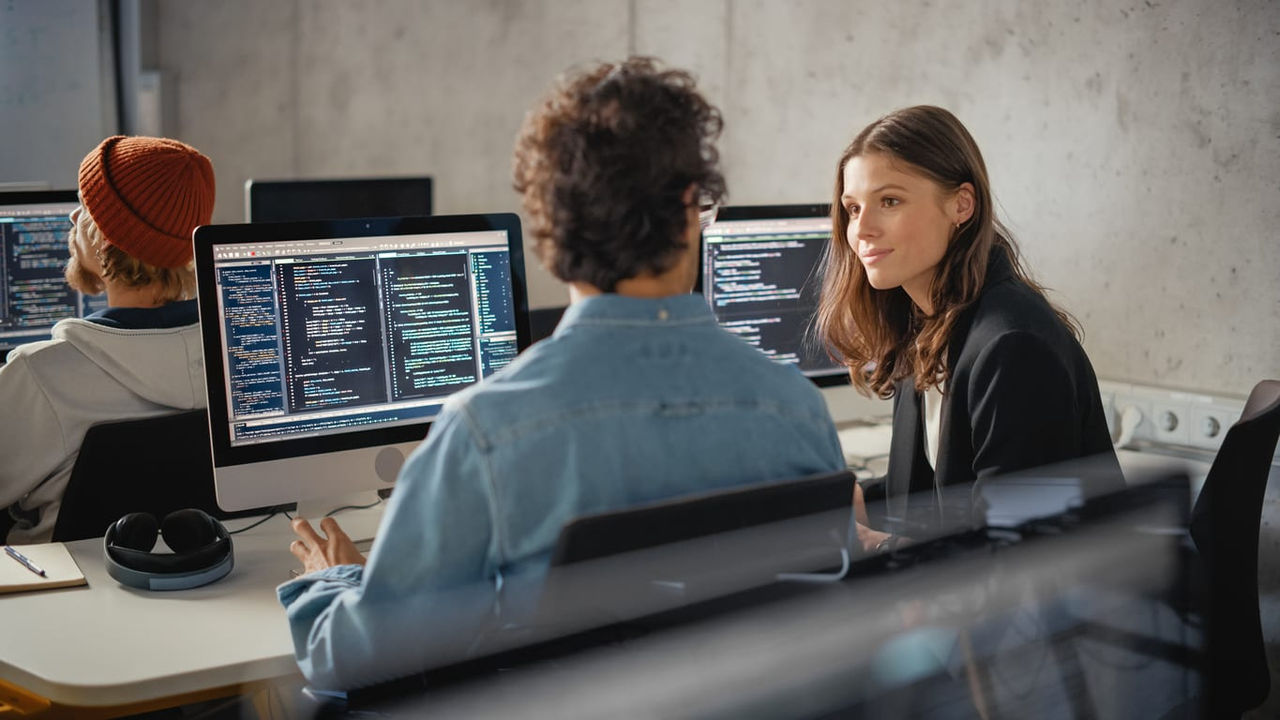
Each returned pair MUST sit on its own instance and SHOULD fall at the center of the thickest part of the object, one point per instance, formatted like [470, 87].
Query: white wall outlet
[1169, 423]
[1170, 417]
[1207, 425]
[1128, 409]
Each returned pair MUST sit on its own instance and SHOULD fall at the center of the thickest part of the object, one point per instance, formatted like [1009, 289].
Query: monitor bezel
[205, 237]
[254, 189]
[835, 377]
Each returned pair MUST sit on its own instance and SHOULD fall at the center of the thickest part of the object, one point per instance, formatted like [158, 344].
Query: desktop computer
[292, 200]
[33, 255]
[331, 345]
[761, 273]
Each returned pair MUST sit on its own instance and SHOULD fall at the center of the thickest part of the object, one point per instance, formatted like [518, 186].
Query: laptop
[34, 295]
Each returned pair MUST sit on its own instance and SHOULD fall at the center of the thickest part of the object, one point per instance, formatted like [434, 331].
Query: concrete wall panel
[1133, 146]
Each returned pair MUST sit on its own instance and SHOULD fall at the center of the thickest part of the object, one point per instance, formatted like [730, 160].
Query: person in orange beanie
[140, 200]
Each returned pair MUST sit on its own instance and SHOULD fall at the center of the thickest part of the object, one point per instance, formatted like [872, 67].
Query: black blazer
[1021, 394]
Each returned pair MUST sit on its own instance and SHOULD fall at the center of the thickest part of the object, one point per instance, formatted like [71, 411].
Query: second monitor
[34, 294]
[761, 274]
[292, 200]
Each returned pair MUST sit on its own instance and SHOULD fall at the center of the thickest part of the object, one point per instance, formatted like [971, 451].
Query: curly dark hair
[603, 164]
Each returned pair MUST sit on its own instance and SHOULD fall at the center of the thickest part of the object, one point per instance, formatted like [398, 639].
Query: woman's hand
[871, 539]
[859, 506]
[318, 553]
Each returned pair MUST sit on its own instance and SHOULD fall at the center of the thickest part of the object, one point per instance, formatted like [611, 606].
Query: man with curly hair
[639, 395]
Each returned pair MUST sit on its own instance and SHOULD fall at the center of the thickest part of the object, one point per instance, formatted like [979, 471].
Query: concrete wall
[1134, 146]
[57, 89]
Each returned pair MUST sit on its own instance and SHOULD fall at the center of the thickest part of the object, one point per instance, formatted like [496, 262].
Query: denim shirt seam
[482, 444]
[515, 431]
[640, 322]
[478, 436]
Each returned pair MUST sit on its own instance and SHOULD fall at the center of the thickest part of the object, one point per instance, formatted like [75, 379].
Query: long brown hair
[880, 334]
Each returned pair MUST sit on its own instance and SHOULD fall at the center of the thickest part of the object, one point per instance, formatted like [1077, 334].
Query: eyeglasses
[707, 214]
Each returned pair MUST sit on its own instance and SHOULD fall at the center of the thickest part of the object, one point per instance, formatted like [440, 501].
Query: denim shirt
[630, 401]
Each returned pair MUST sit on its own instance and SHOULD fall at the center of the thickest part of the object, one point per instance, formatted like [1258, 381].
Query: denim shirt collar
[617, 310]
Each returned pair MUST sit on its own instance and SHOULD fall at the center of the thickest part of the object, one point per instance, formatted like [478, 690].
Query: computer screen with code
[33, 257]
[761, 276]
[323, 336]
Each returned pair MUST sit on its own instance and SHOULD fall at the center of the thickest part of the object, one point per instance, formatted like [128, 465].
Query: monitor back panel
[294, 200]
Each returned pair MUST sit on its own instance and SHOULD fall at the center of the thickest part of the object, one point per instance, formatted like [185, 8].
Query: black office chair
[1224, 526]
[612, 568]
[617, 566]
[155, 465]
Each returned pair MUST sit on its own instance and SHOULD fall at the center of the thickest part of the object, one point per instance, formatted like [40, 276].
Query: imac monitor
[761, 274]
[293, 200]
[33, 255]
[331, 345]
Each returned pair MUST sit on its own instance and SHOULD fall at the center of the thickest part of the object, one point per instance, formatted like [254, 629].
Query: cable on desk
[335, 511]
[254, 525]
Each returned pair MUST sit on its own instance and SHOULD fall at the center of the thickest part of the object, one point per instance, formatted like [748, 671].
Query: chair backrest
[693, 516]
[1225, 524]
[154, 465]
[639, 561]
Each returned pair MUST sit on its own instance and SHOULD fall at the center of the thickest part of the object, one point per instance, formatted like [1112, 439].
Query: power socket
[1169, 417]
[1209, 424]
[1170, 423]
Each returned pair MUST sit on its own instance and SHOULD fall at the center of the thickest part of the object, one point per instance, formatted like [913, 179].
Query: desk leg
[19, 702]
[281, 700]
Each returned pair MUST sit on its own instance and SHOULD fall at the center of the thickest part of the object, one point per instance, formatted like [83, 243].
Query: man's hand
[318, 553]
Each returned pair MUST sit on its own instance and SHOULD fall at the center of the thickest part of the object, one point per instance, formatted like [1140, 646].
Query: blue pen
[25, 562]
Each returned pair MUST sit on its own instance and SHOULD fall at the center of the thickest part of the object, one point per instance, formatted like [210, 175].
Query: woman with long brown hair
[926, 300]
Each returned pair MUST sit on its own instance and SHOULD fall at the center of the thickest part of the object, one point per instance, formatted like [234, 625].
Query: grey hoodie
[52, 391]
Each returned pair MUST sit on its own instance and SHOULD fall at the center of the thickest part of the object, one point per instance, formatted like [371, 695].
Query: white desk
[108, 645]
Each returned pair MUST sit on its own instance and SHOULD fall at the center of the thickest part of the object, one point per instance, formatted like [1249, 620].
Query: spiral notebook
[53, 558]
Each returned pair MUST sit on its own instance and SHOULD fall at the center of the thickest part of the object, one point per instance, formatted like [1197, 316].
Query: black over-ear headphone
[201, 550]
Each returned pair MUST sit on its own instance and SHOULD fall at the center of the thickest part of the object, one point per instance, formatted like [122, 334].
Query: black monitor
[293, 200]
[33, 292]
[330, 346]
[761, 274]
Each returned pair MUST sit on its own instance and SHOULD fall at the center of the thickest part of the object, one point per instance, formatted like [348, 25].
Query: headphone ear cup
[188, 530]
[202, 551]
[135, 531]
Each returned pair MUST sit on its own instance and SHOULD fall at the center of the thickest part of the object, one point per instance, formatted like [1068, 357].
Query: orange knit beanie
[147, 195]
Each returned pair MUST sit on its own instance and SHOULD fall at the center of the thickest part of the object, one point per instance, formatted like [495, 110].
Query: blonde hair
[171, 284]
